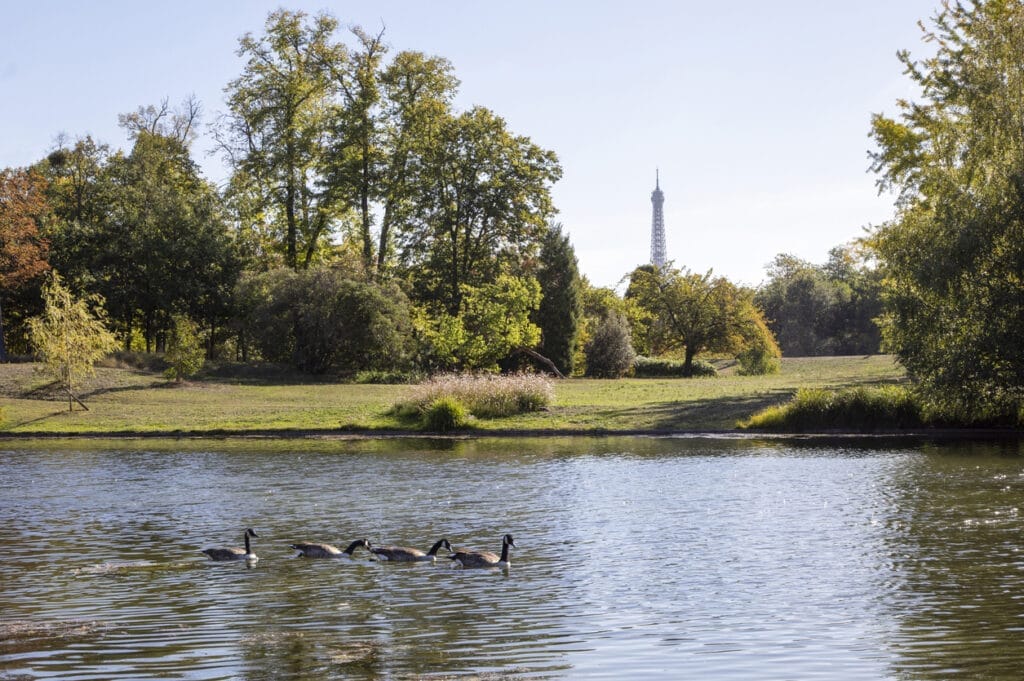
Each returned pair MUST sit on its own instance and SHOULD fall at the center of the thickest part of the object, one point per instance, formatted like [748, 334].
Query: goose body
[307, 550]
[486, 559]
[404, 554]
[234, 553]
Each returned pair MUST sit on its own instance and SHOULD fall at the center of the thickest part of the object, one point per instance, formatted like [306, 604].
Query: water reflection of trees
[957, 587]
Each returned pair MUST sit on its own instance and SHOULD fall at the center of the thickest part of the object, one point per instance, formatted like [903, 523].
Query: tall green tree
[695, 313]
[70, 336]
[23, 251]
[275, 131]
[825, 309]
[953, 256]
[417, 96]
[144, 230]
[560, 310]
[355, 158]
[481, 207]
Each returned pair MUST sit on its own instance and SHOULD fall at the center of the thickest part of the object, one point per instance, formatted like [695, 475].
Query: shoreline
[943, 434]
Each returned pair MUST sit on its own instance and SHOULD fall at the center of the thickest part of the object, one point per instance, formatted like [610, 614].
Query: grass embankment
[126, 400]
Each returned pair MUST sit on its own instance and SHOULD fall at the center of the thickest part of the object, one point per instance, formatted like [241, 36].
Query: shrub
[485, 396]
[609, 351]
[381, 377]
[321, 322]
[646, 367]
[445, 414]
[185, 353]
[758, 361]
[862, 409]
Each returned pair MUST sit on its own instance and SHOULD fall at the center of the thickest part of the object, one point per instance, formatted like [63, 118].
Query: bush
[185, 353]
[646, 367]
[758, 361]
[860, 409]
[485, 396]
[380, 377]
[321, 322]
[445, 414]
[609, 351]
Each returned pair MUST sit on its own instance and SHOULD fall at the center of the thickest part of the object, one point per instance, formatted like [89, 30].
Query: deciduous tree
[695, 313]
[70, 336]
[23, 252]
[953, 256]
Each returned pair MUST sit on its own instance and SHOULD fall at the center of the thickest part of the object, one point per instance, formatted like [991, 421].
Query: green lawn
[132, 401]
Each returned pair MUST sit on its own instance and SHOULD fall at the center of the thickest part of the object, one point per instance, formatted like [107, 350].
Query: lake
[695, 557]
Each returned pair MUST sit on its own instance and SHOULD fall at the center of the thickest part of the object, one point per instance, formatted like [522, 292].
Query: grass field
[125, 400]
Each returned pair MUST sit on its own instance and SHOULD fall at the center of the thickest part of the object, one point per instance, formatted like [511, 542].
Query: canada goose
[485, 559]
[328, 551]
[404, 554]
[234, 553]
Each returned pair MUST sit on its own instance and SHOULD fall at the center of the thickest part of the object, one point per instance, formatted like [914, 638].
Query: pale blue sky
[756, 113]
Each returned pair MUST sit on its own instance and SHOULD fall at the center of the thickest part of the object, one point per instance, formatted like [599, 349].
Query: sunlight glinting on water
[634, 557]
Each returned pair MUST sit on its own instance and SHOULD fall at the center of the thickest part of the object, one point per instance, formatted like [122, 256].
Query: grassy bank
[132, 400]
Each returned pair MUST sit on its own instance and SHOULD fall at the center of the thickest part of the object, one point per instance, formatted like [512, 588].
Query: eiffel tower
[658, 255]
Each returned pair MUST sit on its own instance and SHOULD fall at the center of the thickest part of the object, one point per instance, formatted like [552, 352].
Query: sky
[755, 114]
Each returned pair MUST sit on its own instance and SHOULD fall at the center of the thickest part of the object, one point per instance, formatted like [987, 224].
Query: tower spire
[658, 251]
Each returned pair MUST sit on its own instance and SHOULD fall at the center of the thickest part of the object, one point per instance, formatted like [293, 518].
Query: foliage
[320, 322]
[609, 350]
[185, 351]
[481, 206]
[485, 395]
[695, 313]
[382, 377]
[953, 255]
[857, 409]
[823, 309]
[23, 252]
[761, 354]
[647, 367]
[70, 337]
[493, 320]
[445, 414]
[145, 231]
[558, 315]
[273, 135]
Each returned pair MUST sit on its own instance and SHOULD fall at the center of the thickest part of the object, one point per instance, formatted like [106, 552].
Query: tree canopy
[695, 313]
[953, 256]
[23, 251]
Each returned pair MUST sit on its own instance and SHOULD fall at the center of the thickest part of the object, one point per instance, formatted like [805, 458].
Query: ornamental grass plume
[484, 395]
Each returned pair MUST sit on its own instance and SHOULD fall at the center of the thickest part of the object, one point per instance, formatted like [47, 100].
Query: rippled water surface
[637, 558]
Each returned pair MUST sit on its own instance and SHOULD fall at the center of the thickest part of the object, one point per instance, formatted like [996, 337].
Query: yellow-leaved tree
[70, 336]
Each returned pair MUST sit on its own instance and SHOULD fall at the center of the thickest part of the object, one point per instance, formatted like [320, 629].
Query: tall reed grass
[861, 409]
[484, 395]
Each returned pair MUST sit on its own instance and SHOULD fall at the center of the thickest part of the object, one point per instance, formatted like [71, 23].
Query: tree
[953, 255]
[274, 134]
[23, 252]
[558, 315]
[825, 309]
[694, 313]
[185, 352]
[482, 202]
[609, 351]
[494, 321]
[144, 230]
[70, 336]
[320, 321]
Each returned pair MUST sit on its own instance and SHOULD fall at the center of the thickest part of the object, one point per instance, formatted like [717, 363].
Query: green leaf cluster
[953, 257]
[70, 335]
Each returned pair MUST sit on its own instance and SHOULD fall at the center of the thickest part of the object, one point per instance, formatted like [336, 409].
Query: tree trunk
[533, 354]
